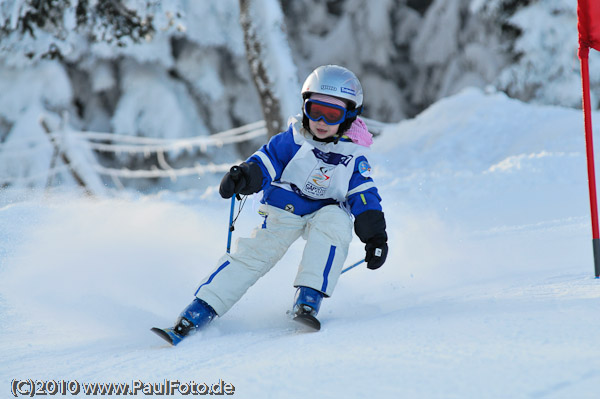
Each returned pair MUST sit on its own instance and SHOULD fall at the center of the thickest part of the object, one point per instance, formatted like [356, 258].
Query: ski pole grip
[235, 173]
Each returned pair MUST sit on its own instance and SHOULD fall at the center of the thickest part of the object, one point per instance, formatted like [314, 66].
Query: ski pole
[235, 174]
[230, 224]
[352, 266]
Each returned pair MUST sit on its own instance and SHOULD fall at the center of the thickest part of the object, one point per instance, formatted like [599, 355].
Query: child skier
[314, 176]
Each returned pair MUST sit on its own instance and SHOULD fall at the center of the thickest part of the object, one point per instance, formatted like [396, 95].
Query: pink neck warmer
[359, 134]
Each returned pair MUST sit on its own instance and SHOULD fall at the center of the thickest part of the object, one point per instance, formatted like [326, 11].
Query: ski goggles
[331, 114]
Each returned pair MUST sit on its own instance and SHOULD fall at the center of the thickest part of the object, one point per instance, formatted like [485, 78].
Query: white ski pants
[327, 232]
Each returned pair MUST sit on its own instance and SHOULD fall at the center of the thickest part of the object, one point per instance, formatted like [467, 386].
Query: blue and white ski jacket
[302, 175]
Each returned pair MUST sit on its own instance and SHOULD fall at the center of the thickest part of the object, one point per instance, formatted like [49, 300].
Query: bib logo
[319, 180]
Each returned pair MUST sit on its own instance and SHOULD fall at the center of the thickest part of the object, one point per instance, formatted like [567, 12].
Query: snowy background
[488, 290]
[178, 69]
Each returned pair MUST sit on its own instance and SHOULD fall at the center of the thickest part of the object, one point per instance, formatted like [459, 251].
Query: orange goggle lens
[330, 113]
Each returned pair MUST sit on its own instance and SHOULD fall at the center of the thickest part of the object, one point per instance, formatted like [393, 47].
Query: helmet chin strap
[333, 139]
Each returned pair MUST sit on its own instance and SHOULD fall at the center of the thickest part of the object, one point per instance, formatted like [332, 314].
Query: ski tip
[166, 335]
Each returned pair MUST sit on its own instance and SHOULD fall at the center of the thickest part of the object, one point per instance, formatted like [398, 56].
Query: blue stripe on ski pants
[328, 268]
[212, 276]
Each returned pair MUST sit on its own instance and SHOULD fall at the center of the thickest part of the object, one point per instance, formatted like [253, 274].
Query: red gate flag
[588, 25]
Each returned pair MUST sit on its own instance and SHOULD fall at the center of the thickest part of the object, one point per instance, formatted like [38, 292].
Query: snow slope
[488, 291]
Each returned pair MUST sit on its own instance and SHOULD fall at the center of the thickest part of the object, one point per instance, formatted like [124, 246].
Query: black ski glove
[244, 179]
[370, 228]
[377, 250]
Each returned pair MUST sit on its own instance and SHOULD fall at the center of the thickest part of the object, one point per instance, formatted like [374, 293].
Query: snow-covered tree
[409, 54]
[160, 69]
[546, 68]
[269, 57]
[455, 47]
[367, 37]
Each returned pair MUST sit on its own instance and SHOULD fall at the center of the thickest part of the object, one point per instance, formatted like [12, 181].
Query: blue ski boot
[306, 307]
[196, 316]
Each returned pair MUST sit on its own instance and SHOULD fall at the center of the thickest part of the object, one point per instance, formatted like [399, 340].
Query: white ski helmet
[336, 81]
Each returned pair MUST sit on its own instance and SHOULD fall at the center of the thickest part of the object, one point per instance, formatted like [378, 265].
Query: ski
[168, 334]
[308, 320]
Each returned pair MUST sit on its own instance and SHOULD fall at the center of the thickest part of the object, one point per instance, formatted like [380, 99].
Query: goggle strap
[351, 114]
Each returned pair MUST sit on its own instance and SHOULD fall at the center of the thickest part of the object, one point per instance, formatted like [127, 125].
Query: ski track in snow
[488, 290]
